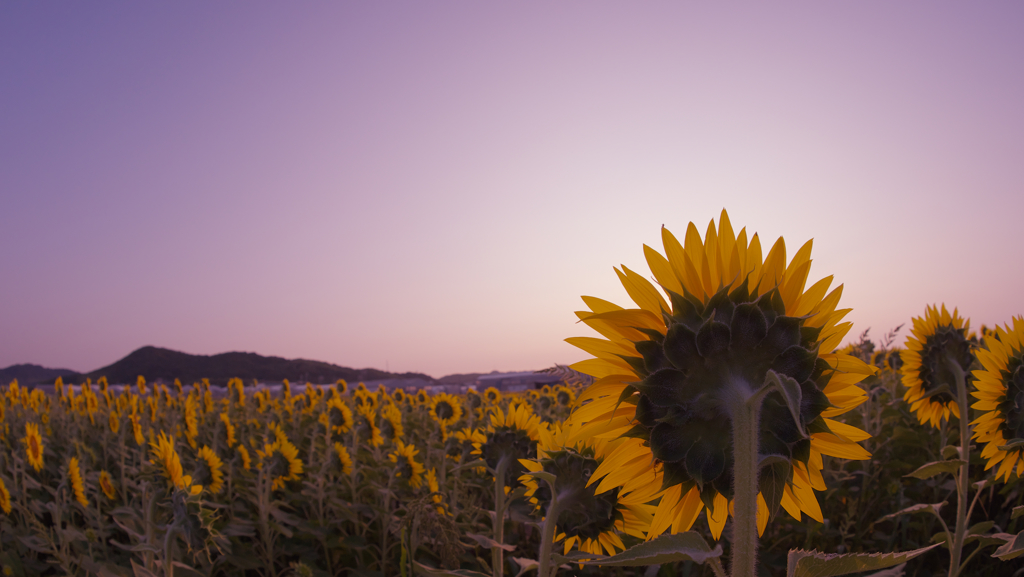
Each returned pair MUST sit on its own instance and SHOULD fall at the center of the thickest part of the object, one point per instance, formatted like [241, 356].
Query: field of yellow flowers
[722, 431]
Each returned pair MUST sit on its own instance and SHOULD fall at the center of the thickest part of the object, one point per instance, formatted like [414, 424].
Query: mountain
[156, 363]
[32, 374]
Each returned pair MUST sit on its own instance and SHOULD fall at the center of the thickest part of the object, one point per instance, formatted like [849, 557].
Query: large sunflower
[33, 445]
[167, 458]
[445, 409]
[667, 371]
[339, 416]
[1000, 388]
[282, 457]
[936, 339]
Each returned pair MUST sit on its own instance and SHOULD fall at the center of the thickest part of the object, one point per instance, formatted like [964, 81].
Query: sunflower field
[720, 429]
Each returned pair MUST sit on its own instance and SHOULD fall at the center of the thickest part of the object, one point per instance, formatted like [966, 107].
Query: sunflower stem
[746, 417]
[547, 537]
[956, 548]
[497, 562]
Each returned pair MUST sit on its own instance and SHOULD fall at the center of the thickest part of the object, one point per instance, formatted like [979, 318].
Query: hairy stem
[746, 415]
[497, 562]
[962, 486]
[547, 537]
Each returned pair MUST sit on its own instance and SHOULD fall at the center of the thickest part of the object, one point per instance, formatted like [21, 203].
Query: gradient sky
[430, 186]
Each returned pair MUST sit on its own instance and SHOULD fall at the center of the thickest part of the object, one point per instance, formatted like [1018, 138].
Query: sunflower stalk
[497, 561]
[962, 485]
[746, 420]
[547, 537]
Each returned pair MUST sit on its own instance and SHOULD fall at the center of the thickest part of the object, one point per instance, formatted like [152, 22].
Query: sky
[431, 186]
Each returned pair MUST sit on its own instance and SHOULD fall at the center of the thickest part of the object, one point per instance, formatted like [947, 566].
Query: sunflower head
[209, 470]
[166, 457]
[366, 426]
[339, 416]
[724, 324]
[564, 396]
[344, 459]
[938, 345]
[473, 400]
[77, 484]
[445, 409]
[422, 397]
[5, 498]
[407, 468]
[33, 445]
[107, 485]
[1000, 394]
[492, 395]
[511, 436]
[391, 422]
[243, 453]
[398, 396]
[281, 460]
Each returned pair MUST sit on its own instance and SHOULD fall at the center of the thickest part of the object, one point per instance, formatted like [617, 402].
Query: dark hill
[156, 363]
[32, 374]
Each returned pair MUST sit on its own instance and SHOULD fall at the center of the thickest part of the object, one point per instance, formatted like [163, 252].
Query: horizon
[431, 188]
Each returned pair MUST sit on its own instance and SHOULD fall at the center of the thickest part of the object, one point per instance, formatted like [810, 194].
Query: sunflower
[408, 468]
[667, 371]
[5, 497]
[936, 340]
[107, 485]
[229, 430]
[281, 457]
[564, 396]
[33, 445]
[343, 458]
[398, 396]
[210, 469]
[589, 515]
[77, 485]
[167, 458]
[364, 398]
[114, 420]
[137, 429]
[1000, 388]
[435, 490]
[445, 409]
[492, 395]
[511, 436]
[244, 454]
[391, 422]
[338, 416]
[422, 397]
[191, 420]
[341, 386]
[366, 425]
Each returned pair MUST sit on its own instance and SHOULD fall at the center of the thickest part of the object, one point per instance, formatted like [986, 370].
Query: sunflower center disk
[1012, 407]
[947, 342]
[692, 372]
[583, 514]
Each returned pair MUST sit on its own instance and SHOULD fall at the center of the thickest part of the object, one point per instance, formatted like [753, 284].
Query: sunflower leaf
[791, 392]
[1017, 512]
[488, 543]
[1012, 444]
[433, 572]
[688, 546]
[936, 468]
[470, 465]
[772, 480]
[816, 564]
[950, 451]
[1012, 549]
[916, 508]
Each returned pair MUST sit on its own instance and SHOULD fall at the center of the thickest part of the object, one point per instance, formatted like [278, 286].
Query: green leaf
[542, 475]
[525, 565]
[980, 528]
[434, 572]
[470, 465]
[815, 564]
[949, 452]
[1012, 444]
[488, 543]
[772, 480]
[936, 468]
[919, 507]
[1017, 512]
[1012, 549]
[790, 390]
[141, 571]
[688, 546]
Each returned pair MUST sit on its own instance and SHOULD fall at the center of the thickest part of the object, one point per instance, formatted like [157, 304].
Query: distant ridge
[157, 363]
[28, 374]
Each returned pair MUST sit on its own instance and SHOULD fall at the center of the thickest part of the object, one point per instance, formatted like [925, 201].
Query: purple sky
[430, 186]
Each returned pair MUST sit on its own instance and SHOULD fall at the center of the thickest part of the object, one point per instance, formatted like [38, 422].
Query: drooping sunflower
[244, 454]
[435, 488]
[1000, 388]
[209, 470]
[114, 420]
[33, 446]
[445, 409]
[590, 517]
[229, 430]
[936, 340]
[666, 371]
[282, 457]
[5, 497]
[77, 485]
[107, 485]
[167, 458]
[344, 459]
[404, 456]
[140, 440]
